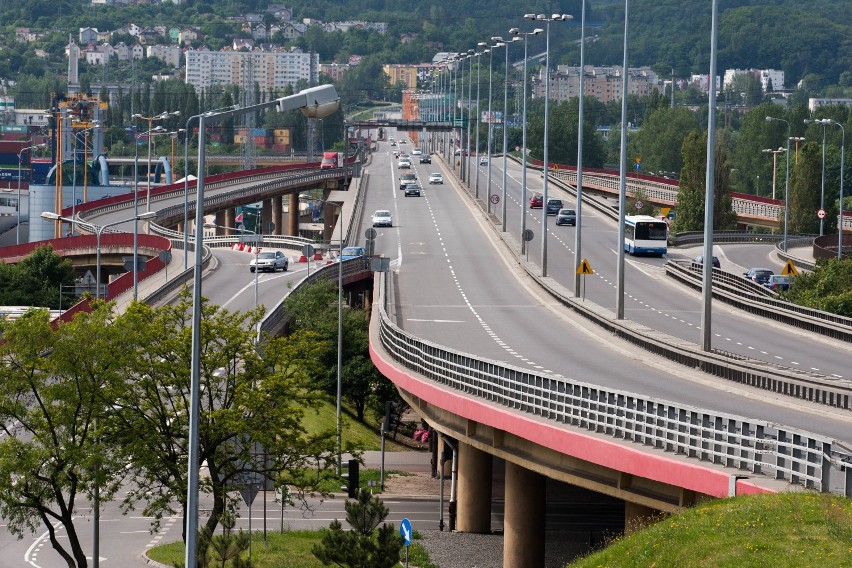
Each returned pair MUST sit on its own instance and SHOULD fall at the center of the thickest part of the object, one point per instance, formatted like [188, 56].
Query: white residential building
[271, 69]
[168, 53]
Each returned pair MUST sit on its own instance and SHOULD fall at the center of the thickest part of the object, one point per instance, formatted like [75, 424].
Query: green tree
[56, 389]
[660, 141]
[363, 546]
[35, 280]
[690, 200]
[827, 288]
[250, 396]
[805, 190]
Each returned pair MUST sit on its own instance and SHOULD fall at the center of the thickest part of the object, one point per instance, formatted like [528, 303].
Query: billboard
[494, 118]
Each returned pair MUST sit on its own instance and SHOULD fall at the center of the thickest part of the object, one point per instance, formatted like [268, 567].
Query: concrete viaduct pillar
[266, 217]
[524, 518]
[277, 210]
[220, 220]
[229, 220]
[293, 216]
[474, 486]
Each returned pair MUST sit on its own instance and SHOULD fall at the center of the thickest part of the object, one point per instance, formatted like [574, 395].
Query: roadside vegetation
[755, 531]
[827, 288]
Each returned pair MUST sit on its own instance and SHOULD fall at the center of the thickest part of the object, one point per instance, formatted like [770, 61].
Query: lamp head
[497, 38]
[537, 31]
[515, 31]
[481, 44]
[321, 101]
[516, 40]
[146, 216]
[50, 216]
[529, 16]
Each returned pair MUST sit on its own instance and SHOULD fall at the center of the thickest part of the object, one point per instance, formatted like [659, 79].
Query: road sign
[638, 159]
[639, 204]
[307, 250]
[405, 531]
[664, 211]
[495, 199]
[528, 235]
[821, 214]
[585, 268]
[789, 269]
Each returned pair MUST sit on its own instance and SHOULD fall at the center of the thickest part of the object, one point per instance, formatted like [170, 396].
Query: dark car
[566, 217]
[425, 159]
[700, 260]
[536, 202]
[778, 282]
[412, 189]
[758, 275]
[553, 206]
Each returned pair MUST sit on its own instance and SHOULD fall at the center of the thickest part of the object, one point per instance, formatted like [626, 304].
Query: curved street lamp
[505, 127]
[787, 177]
[162, 116]
[500, 43]
[478, 99]
[20, 155]
[842, 152]
[546, 164]
[517, 32]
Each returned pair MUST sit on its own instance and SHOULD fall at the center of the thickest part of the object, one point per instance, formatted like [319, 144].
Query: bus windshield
[646, 231]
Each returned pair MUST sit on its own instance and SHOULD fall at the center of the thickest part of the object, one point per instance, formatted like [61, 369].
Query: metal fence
[755, 446]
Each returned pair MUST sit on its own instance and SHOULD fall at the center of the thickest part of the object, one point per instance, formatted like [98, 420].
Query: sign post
[584, 269]
[405, 531]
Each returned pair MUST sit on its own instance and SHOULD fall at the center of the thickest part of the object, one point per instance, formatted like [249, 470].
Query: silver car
[269, 261]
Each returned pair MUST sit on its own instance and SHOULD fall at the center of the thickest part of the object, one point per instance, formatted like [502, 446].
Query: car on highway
[352, 252]
[553, 205]
[412, 189]
[425, 159]
[536, 201]
[700, 260]
[269, 261]
[436, 177]
[382, 218]
[404, 164]
[778, 282]
[406, 178]
[566, 217]
[416, 152]
[758, 275]
[483, 161]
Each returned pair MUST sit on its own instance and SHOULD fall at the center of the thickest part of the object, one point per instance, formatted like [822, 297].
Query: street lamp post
[471, 54]
[516, 31]
[314, 102]
[136, 205]
[822, 177]
[546, 164]
[500, 43]
[774, 164]
[505, 129]
[18, 207]
[622, 173]
[840, 202]
[787, 178]
[578, 241]
[478, 99]
[796, 140]
[162, 116]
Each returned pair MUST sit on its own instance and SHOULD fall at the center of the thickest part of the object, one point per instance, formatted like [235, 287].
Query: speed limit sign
[821, 214]
[495, 199]
[639, 204]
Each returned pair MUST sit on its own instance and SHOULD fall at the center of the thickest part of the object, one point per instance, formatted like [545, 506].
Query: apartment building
[270, 69]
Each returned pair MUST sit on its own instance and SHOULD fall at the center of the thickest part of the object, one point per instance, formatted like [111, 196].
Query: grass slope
[782, 530]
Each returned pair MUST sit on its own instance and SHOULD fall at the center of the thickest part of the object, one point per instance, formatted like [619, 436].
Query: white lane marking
[434, 320]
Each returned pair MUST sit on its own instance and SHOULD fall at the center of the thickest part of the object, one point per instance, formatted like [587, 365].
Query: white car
[416, 152]
[404, 165]
[382, 218]
[269, 260]
[436, 177]
[483, 160]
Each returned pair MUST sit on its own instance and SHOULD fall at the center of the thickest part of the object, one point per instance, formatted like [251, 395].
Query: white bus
[644, 234]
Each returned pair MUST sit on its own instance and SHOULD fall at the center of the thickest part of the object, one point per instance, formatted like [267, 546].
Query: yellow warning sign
[664, 211]
[789, 269]
[585, 268]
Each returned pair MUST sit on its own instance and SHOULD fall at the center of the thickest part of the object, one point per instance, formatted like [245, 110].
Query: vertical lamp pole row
[787, 177]
[840, 203]
[578, 241]
[622, 182]
[471, 54]
[20, 156]
[478, 99]
[709, 193]
[505, 139]
[490, 121]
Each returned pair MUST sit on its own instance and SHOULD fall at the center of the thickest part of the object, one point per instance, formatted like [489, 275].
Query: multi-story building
[334, 70]
[270, 69]
[168, 53]
[407, 74]
[601, 83]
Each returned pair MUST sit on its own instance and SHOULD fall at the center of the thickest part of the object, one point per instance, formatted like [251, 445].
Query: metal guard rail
[756, 446]
[824, 323]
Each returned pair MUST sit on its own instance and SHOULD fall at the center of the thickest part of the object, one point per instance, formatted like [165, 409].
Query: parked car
[269, 260]
[436, 177]
[406, 178]
[412, 189]
[700, 260]
[566, 217]
[758, 275]
[416, 152]
[352, 252]
[553, 206]
[536, 201]
[425, 159]
[778, 282]
[382, 218]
